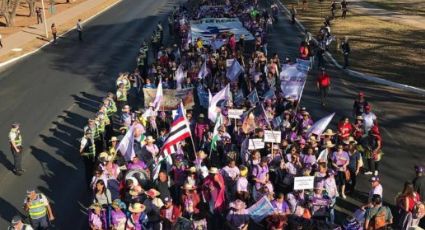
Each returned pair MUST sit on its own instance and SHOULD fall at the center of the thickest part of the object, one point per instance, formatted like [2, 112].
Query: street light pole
[45, 19]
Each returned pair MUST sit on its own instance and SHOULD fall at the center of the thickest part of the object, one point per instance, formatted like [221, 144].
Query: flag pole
[190, 130]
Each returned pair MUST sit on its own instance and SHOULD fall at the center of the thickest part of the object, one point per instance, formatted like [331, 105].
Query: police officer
[17, 224]
[15, 140]
[121, 96]
[39, 210]
[88, 153]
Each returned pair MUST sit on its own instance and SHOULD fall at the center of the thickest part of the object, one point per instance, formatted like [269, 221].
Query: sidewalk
[359, 7]
[33, 37]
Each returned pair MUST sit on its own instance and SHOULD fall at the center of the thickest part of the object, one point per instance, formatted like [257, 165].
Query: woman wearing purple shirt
[340, 161]
[118, 216]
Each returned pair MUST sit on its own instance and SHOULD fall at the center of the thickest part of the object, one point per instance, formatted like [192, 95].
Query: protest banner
[256, 143]
[235, 113]
[260, 210]
[303, 65]
[292, 81]
[202, 96]
[171, 98]
[303, 182]
[207, 28]
[272, 136]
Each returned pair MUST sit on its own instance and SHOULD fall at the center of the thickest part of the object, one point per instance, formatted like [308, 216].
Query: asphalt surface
[53, 92]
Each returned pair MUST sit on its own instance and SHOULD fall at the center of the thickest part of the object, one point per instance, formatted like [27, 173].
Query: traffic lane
[53, 164]
[40, 85]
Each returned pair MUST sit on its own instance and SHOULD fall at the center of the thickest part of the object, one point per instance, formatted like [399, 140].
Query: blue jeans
[40, 224]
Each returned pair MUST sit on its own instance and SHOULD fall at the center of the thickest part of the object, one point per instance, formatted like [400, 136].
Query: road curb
[354, 73]
[13, 60]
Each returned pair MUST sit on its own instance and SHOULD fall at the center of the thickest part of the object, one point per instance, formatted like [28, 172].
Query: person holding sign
[340, 161]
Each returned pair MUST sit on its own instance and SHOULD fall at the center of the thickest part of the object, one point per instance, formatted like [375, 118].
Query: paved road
[53, 92]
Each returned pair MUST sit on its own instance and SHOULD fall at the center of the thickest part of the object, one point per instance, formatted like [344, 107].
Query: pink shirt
[242, 184]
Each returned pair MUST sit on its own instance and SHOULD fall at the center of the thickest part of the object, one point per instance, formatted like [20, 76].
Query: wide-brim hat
[188, 186]
[213, 170]
[152, 193]
[329, 144]
[329, 132]
[192, 169]
[359, 118]
[150, 139]
[113, 139]
[104, 157]
[95, 206]
[237, 204]
[312, 139]
[133, 192]
[350, 140]
[137, 208]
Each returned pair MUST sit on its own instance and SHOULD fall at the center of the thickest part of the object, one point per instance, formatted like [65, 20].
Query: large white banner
[292, 81]
[206, 28]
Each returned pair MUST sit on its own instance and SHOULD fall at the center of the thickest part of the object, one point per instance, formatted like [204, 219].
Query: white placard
[272, 136]
[235, 113]
[229, 62]
[256, 144]
[303, 182]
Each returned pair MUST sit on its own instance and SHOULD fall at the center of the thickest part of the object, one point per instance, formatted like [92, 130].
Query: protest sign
[272, 136]
[207, 28]
[303, 182]
[303, 65]
[235, 113]
[229, 62]
[260, 210]
[171, 98]
[202, 96]
[292, 81]
[256, 143]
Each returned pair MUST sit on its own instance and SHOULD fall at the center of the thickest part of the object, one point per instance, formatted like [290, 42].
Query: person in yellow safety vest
[107, 122]
[112, 149]
[123, 78]
[15, 140]
[38, 208]
[17, 224]
[88, 153]
[121, 96]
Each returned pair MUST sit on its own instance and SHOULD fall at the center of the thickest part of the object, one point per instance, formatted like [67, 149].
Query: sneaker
[375, 173]
[343, 196]
[368, 173]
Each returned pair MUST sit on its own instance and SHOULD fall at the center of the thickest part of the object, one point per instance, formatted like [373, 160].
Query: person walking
[323, 84]
[345, 47]
[38, 208]
[80, 30]
[88, 152]
[15, 140]
[39, 16]
[17, 224]
[54, 32]
[333, 9]
[344, 8]
[293, 14]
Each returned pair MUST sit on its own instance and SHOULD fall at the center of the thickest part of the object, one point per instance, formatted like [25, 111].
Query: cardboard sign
[303, 182]
[272, 136]
[256, 144]
[235, 113]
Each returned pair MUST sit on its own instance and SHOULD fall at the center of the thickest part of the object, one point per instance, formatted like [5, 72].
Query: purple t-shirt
[260, 173]
[280, 207]
[340, 159]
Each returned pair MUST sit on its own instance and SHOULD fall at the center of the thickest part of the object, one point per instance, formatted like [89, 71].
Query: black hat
[16, 219]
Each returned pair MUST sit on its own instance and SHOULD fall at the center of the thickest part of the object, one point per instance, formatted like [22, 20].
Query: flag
[234, 71]
[319, 126]
[203, 96]
[269, 94]
[149, 113]
[277, 121]
[126, 145]
[212, 108]
[216, 44]
[203, 72]
[179, 131]
[238, 98]
[158, 97]
[253, 97]
[216, 137]
[260, 210]
[180, 76]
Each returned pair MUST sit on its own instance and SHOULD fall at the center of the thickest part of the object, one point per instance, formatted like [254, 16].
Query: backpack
[418, 211]
[378, 221]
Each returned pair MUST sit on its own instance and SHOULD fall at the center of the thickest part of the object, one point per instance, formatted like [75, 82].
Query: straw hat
[329, 132]
[201, 154]
[192, 169]
[329, 144]
[350, 140]
[133, 192]
[113, 139]
[136, 208]
[105, 157]
[237, 204]
[188, 186]
[150, 139]
[152, 193]
[312, 139]
[359, 118]
[95, 206]
[213, 170]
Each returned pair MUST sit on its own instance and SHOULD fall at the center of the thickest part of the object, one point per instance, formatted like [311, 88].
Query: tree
[31, 7]
[8, 11]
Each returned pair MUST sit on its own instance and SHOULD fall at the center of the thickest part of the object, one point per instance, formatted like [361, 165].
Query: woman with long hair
[406, 202]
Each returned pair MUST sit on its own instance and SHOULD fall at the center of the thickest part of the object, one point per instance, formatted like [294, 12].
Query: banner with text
[171, 98]
[260, 210]
[292, 81]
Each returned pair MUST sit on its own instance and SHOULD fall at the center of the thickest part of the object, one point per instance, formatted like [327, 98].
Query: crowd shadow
[8, 211]
[5, 162]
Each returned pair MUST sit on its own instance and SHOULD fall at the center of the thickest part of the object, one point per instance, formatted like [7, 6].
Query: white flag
[180, 76]
[319, 126]
[126, 145]
[212, 108]
[234, 71]
[203, 72]
[158, 97]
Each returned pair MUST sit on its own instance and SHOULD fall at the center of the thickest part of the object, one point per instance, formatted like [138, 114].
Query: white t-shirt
[368, 120]
[377, 190]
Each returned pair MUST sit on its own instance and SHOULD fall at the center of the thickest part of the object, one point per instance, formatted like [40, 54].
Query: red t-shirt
[324, 80]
